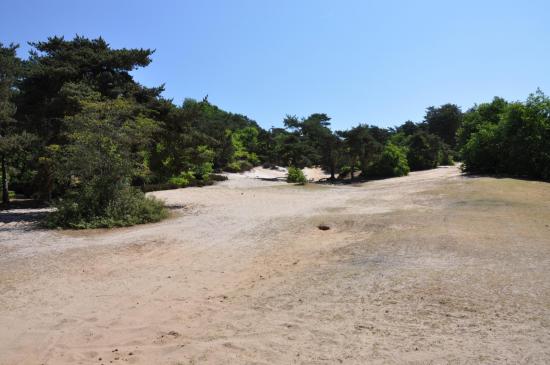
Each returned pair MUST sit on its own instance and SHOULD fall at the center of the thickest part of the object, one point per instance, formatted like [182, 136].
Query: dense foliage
[508, 138]
[296, 175]
[78, 131]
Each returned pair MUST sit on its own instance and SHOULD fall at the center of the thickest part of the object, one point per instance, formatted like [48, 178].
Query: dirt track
[430, 268]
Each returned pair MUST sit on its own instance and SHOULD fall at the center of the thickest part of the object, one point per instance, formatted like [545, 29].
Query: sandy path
[429, 268]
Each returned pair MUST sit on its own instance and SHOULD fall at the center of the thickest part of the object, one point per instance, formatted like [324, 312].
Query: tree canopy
[78, 131]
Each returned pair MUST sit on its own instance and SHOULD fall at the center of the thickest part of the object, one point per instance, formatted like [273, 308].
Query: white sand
[430, 268]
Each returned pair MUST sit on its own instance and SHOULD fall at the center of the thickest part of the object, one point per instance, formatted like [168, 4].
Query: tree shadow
[23, 211]
[271, 178]
[501, 176]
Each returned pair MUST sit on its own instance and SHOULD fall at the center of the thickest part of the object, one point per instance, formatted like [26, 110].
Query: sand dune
[434, 268]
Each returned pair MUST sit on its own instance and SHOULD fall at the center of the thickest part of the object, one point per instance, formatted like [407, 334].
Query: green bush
[295, 175]
[11, 194]
[129, 207]
[238, 166]
[508, 138]
[182, 180]
[203, 171]
[218, 177]
[344, 171]
[446, 158]
[391, 162]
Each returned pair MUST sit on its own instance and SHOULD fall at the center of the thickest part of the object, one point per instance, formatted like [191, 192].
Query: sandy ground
[432, 268]
[312, 174]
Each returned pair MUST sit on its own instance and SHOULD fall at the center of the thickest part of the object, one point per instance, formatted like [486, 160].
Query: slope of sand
[429, 268]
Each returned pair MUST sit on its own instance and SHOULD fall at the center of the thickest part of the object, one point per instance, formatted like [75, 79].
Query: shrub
[391, 162]
[446, 158]
[239, 166]
[182, 180]
[295, 175]
[344, 171]
[481, 152]
[11, 194]
[203, 170]
[218, 177]
[129, 207]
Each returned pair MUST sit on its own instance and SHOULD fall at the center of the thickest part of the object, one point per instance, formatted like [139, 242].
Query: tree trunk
[5, 193]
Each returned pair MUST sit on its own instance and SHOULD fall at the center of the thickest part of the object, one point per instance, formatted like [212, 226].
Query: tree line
[77, 130]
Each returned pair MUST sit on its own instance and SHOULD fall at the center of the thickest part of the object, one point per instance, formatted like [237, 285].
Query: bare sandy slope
[430, 268]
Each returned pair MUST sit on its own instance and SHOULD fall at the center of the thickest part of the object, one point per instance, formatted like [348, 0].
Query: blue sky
[378, 62]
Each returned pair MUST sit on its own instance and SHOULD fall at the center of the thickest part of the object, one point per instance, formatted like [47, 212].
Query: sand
[432, 268]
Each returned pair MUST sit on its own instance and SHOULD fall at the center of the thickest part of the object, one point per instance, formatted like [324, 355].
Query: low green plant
[128, 207]
[239, 166]
[295, 175]
[182, 180]
[203, 171]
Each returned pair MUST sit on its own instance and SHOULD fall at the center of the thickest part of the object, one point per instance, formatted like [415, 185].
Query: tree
[97, 165]
[391, 162]
[444, 122]
[478, 115]
[332, 155]
[361, 147]
[424, 151]
[509, 138]
[61, 72]
[12, 139]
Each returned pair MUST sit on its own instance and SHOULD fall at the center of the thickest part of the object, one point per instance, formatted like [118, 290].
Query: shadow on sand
[23, 211]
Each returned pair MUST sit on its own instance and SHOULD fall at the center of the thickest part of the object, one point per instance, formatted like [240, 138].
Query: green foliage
[13, 140]
[182, 180]
[476, 117]
[391, 162]
[446, 156]
[363, 145]
[444, 122]
[11, 194]
[344, 171]
[244, 141]
[97, 164]
[424, 151]
[509, 138]
[127, 206]
[295, 175]
[239, 166]
[75, 125]
[481, 152]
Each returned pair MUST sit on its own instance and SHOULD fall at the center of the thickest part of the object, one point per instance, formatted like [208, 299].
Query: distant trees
[443, 122]
[76, 129]
[13, 139]
[424, 151]
[391, 162]
[508, 138]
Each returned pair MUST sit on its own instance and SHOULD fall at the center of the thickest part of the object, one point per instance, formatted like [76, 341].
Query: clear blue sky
[380, 62]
